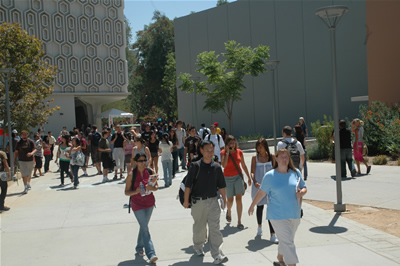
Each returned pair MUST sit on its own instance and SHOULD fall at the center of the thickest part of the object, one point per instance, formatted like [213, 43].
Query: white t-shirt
[217, 148]
[166, 154]
[180, 134]
[282, 145]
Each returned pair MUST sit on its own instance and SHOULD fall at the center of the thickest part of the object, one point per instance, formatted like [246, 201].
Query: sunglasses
[142, 161]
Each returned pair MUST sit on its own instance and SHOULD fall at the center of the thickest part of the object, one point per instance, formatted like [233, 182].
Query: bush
[381, 128]
[314, 153]
[398, 162]
[323, 135]
[250, 137]
[379, 160]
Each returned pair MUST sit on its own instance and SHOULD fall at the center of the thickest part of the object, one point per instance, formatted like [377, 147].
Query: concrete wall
[297, 38]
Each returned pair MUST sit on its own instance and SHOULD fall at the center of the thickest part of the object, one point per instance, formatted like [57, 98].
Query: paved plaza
[91, 225]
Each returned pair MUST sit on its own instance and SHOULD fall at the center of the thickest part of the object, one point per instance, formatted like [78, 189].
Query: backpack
[205, 132]
[181, 192]
[95, 138]
[294, 152]
[134, 171]
[218, 137]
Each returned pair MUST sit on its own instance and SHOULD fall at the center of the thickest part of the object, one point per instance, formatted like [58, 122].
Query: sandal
[240, 226]
[279, 263]
[228, 218]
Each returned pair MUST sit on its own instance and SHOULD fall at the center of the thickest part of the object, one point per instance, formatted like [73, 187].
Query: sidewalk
[91, 226]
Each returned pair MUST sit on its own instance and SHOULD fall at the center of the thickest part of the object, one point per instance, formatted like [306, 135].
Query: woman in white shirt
[165, 149]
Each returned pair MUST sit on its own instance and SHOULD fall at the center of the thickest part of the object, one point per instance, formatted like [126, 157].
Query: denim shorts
[234, 186]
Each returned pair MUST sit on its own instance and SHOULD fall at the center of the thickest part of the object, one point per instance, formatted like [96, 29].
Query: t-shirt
[84, 144]
[282, 145]
[24, 147]
[119, 142]
[3, 156]
[180, 134]
[209, 180]
[191, 142]
[230, 169]
[39, 152]
[139, 202]
[217, 148]
[52, 140]
[281, 189]
[166, 154]
[146, 136]
[345, 138]
[104, 144]
[153, 146]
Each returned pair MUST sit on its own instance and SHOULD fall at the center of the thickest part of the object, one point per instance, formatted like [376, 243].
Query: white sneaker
[153, 259]
[105, 179]
[259, 231]
[25, 191]
[199, 252]
[274, 239]
[28, 186]
[220, 259]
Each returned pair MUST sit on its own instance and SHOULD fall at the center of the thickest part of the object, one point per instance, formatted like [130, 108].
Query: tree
[224, 80]
[152, 46]
[33, 81]
[169, 84]
[222, 2]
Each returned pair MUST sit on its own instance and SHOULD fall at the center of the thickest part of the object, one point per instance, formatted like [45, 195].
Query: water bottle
[142, 189]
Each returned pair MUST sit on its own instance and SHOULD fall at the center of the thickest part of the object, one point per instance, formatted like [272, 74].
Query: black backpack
[95, 138]
[205, 132]
[181, 192]
[134, 171]
[294, 152]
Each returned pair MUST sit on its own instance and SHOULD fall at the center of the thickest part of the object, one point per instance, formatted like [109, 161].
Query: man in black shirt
[191, 143]
[204, 178]
[345, 149]
[146, 134]
[118, 152]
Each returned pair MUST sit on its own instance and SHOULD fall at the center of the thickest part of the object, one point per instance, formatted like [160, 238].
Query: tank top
[62, 153]
[360, 134]
[128, 148]
[261, 169]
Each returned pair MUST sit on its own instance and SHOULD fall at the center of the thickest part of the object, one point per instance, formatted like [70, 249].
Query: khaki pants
[207, 212]
[285, 231]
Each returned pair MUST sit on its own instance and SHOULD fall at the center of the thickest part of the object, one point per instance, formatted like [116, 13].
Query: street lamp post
[5, 75]
[194, 108]
[330, 16]
[272, 65]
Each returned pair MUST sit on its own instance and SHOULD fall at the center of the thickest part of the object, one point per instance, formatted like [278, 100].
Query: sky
[140, 12]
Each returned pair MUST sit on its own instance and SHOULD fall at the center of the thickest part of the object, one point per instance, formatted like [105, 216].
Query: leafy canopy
[224, 80]
[33, 81]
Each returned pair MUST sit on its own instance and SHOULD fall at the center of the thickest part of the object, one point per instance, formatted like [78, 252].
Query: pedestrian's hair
[166, 138]
[140, 139]
[342, 124]
[138, 155]
[80, 132]
[287, 130]
[203, 124]
[77, 141]
[66, 137]
[94, 127]
[179, 122]
[359, 122]
[298, 131]
[264, 142]
[229, 138]
[205, 142]
[105, 132]
[290, 165]
[192, 127]
[49, 132]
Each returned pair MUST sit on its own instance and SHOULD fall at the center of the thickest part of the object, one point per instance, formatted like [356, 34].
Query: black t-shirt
[146, 136]
[153, 147]
[210, 179]
[345, 138]
[119, 142]
[24, 147]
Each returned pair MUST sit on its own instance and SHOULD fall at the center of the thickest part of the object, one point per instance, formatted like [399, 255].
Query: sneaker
[274, 239]
[220, 259]
[28, 186]
[141, 253]
[25, 191]
[105, 179]
[199, 252]
[259, 231]
[153, 259]
[353, 173]
[5, 208]
[368, 169]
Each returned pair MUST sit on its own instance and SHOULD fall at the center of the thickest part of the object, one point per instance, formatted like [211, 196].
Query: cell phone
[230, 148]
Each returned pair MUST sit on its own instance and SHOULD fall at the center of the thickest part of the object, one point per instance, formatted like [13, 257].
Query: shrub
[250, 137]
[379, 160]
[314, 153]
[323, 135]
[398, 162]
[381, 128]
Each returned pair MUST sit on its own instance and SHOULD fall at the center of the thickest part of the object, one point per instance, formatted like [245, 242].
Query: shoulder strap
[218, 137]
[236, 166]
[209, 136]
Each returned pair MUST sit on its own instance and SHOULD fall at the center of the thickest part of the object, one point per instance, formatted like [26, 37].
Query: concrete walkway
[91, 225]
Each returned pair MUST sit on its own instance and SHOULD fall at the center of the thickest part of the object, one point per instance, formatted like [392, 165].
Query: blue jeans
[346, 157]
[144, 240]
[305, 164]
[167, 169]
[181, 153]
[75, 169]
[174, 162]
[47, 159]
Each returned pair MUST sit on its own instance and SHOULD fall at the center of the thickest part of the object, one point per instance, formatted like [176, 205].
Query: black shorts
[107, 160]
[38, 162]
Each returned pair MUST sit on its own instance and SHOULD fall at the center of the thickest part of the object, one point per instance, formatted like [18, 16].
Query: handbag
[78, 158]
[364, 149]
[4, 176]
[240, 172]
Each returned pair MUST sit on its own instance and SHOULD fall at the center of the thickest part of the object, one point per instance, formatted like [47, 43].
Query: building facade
[86, 40]
[299, 40]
